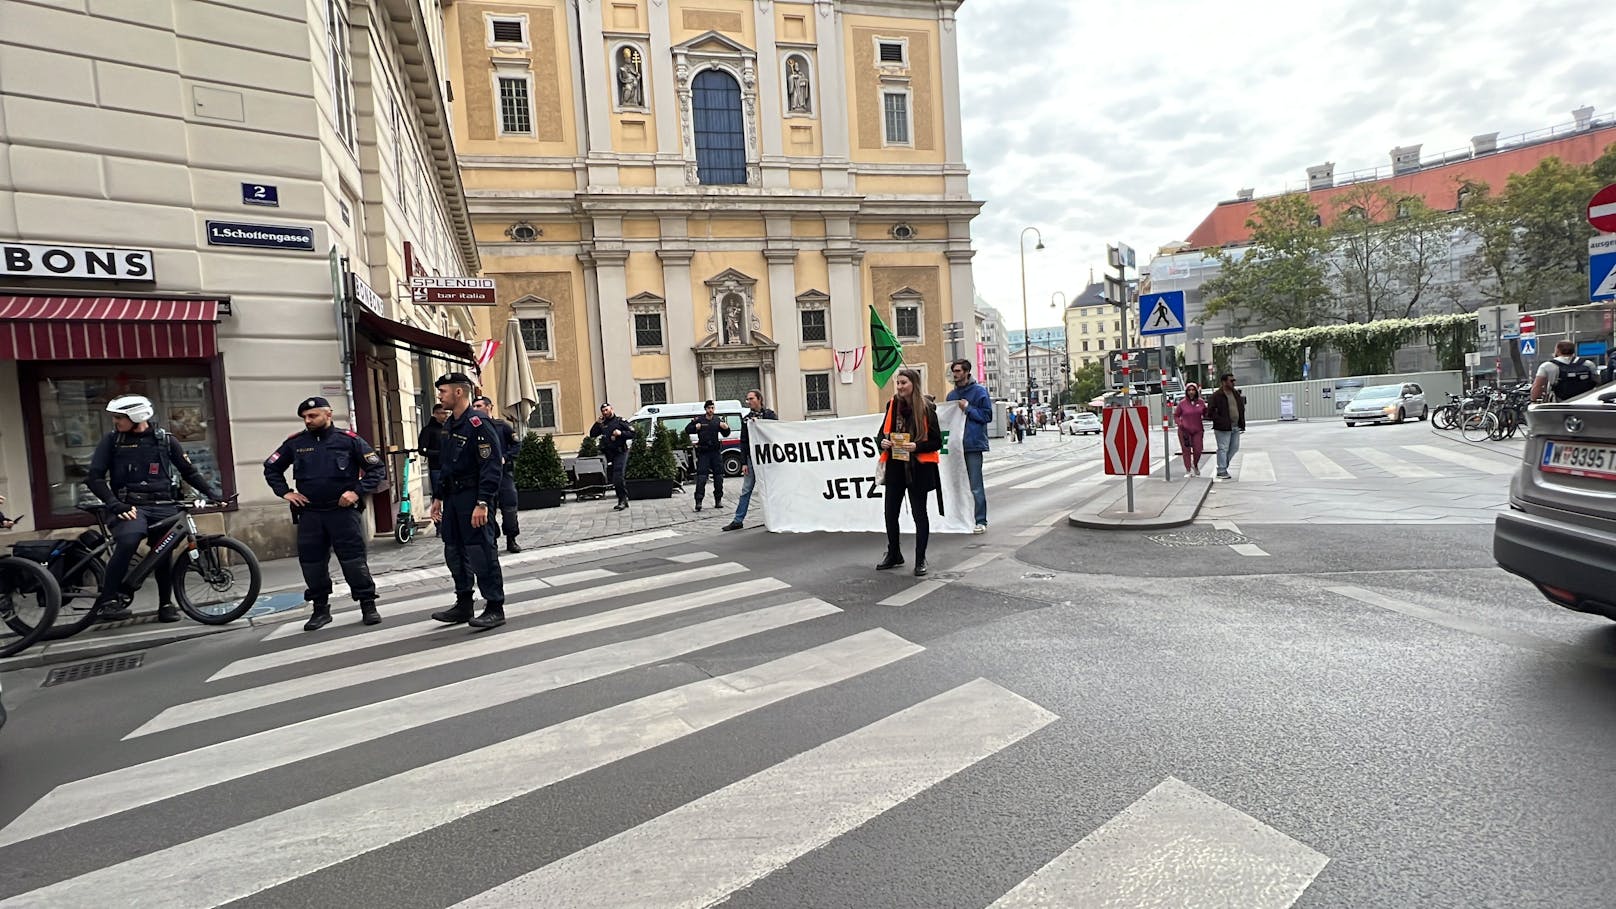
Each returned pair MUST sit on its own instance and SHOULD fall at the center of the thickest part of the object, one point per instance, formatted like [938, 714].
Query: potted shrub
[590, 448]
[539, 477]
[652, 471]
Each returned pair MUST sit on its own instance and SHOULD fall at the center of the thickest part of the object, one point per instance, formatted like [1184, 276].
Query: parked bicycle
[30, 599]
[216, 578]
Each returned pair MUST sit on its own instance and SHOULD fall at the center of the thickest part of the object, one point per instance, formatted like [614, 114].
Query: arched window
[720, 132]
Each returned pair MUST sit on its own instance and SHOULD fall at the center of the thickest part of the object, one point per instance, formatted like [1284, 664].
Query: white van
[675, 417]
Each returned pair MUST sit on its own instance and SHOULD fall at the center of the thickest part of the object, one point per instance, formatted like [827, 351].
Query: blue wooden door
[720, 130]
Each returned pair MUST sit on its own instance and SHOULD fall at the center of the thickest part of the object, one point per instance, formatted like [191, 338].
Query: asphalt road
[1287, 703]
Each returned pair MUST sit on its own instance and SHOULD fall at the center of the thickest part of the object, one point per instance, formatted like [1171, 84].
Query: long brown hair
[917, 403]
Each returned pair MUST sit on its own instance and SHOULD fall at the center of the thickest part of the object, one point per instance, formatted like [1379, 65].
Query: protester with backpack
[1565, 376]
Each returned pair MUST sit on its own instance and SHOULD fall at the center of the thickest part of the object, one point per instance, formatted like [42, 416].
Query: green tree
[589, 447]
[1387, 247]
[1281, 278]
[1088, 383]
[538, 464]
[1494, 268]
[1548, 206]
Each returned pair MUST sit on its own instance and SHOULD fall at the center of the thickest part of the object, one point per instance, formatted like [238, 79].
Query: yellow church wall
[705, 265]
[925, 87]
[899, 184]
[471, 60]
[733, 18]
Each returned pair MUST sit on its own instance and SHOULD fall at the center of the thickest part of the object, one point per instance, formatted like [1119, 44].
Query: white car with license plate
[1387, 404]
[1560, 531]
[1082, 423]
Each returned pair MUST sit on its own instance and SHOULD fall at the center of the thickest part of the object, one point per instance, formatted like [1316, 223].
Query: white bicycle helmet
[136, 407]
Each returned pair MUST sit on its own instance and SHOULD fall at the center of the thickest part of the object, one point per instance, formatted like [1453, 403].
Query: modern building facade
[687, 199]
[188, 193]
[995, 348]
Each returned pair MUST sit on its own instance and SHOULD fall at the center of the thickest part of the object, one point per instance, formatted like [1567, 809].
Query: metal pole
[1167, 447]
[1127, 376]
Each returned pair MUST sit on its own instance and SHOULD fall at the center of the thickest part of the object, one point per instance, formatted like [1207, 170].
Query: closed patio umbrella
[517, 394]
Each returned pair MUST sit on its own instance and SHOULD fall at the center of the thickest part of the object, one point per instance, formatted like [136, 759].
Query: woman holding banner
[910, 441]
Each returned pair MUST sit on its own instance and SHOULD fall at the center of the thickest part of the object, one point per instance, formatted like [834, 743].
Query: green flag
[886, 354]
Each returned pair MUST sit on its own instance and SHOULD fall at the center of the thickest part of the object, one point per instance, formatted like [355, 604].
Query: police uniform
[709, 454]
[130, 470]
[509, 444]
[325, 464]
[472, 465]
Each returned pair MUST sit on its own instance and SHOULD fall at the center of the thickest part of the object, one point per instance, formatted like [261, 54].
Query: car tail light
[1559, 594]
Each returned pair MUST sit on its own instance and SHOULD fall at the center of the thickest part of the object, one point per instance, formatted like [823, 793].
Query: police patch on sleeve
[275, 457]
[485, 451]
[476, 421]
[372, 459]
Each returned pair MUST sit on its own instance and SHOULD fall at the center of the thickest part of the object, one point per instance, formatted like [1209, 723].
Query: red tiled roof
[1438, 186]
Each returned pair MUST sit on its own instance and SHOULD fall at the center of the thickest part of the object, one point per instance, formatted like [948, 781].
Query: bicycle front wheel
[220, 583]
[1479, 427]
[29, 600]
[1444, 417]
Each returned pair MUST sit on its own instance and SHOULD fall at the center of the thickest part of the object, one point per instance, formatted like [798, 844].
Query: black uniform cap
[311, 403]
[483, 399]
[453, 378]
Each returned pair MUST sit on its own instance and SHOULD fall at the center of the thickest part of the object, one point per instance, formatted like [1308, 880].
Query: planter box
[652, 489]
[528, 499]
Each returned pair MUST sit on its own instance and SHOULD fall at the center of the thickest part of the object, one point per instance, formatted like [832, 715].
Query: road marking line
[1230, 526]
[1176, 846]
[1464, 460]
[688, 557]
[428, 629]
[1472, 626]
[1255, 467]
[470, 647]
[1058, 475]
[1044, 523]
[914, 592]
[232, 864]
[1320, 466]
[975, 562]
[164, 778]
[1397, 467]
[698, 853]
[1248, 549]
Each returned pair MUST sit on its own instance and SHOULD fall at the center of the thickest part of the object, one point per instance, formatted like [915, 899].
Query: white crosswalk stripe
[696, 853]
[1058, 475]
[1397, 467]
[1320, 466]
[1494, 467]
[1252, 467]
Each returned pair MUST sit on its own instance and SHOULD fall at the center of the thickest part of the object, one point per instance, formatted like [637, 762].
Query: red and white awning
[106, 328]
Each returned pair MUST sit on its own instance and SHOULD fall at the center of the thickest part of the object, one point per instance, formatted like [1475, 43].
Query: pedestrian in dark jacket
[709, 452]
[615, 435]
[977, 405]
[911, 465]
[429, 442]
[1226, 408]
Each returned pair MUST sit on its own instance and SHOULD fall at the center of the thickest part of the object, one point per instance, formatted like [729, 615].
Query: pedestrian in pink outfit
[1190, 415]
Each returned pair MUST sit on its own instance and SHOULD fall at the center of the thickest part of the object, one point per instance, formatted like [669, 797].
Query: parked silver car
[1560, 531]
[1387, 403]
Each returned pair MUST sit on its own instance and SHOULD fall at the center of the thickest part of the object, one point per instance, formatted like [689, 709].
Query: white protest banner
[820, 475]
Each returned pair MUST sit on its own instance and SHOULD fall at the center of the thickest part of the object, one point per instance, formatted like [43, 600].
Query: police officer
[709, 453]
[333, 469]
[131, 472]
[462, 502]
[615, 435]
[510, 445]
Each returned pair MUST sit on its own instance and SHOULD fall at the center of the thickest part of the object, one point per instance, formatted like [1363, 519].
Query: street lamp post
[1065, 357]
[1026, 324]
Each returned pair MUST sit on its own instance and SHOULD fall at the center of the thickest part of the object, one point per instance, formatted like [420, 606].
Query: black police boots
[511, 545]
[493, 616]
[368, 613]
[321, 617]
[168, 612]
[893, 560]
[454, 615]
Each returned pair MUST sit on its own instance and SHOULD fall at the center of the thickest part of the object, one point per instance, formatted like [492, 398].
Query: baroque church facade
[688, 199]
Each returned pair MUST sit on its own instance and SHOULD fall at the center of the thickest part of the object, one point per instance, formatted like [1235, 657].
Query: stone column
[836, 106]
[597, 87]
[681, 323]
[954, 170]
[670, 161]
[615, 341]
[788, 401]
[963, 299]
[848, 320]
[775, 171]
[597, 362]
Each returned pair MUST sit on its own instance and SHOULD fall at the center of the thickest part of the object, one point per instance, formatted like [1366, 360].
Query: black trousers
[470, 551]
[619, 468]
[126, 537]
[507, 509]
[322, 532]
[893, 496]
[710, 462]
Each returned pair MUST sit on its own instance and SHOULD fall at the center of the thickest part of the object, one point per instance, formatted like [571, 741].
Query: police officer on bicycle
[334, 469]
[462, 502]
[510, 445]
[132, 472]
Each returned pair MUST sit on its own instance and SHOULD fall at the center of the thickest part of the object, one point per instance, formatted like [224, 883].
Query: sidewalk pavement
[1157, 503]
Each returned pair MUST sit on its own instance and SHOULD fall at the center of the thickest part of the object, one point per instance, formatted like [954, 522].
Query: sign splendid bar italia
[29, 260]
[454, 291]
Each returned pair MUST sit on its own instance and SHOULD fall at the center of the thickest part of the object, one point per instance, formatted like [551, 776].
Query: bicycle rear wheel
[79, 594]
[220, 584]
[1444, 417]
[29, 600]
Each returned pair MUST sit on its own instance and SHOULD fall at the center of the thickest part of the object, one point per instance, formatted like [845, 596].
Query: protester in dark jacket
[977, 404]
[615, 435]
[912, 472]
[1226, 408]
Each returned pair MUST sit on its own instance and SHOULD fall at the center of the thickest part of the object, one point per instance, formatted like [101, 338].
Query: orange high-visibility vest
[928, 457]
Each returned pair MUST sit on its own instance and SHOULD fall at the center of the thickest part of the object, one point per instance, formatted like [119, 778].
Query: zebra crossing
[262, 713]
[1310, 466]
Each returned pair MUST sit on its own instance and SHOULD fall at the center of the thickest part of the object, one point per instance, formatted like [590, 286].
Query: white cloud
[1098, 122]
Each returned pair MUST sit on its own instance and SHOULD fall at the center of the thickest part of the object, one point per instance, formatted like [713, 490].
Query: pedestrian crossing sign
[1161, 314]
[1528, 347]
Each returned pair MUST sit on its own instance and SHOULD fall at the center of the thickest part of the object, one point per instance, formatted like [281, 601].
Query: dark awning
[416, 340]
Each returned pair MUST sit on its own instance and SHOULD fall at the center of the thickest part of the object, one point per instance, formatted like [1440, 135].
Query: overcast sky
[1097, 122]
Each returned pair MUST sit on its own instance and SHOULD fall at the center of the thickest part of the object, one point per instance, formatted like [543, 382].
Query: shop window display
[72, 408]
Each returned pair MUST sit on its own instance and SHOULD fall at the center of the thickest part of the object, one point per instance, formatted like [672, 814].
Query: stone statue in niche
[797, 88]
[630, 80]
[732, 320]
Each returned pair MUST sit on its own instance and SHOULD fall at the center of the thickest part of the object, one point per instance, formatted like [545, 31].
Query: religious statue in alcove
[732, 320]
[630, 80]
[797, 86]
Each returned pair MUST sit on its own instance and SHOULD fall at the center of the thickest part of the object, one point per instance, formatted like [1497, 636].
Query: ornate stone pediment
[712, 42]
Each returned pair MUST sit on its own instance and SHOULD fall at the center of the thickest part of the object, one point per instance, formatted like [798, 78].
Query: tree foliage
[1388, 247]
[1088, 383]
[538, 464]
[1280, 279]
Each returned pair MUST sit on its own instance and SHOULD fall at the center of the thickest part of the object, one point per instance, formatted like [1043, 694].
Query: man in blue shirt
[977, 405]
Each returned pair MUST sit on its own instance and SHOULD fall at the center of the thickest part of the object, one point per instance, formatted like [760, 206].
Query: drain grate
[92, 669]
[1199, 538]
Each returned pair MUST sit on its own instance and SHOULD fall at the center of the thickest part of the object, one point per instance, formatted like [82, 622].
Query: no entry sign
[1127, 441]
[1602, 209]
[1528, 326]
